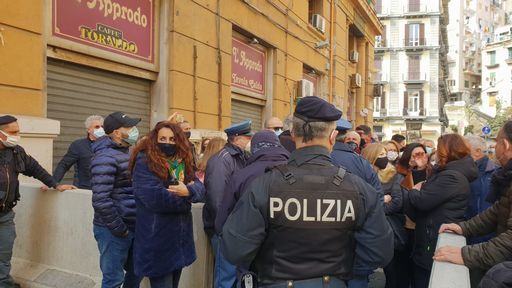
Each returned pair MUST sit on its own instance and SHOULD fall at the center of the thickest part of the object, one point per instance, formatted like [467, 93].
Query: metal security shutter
[76, 92]
[241, 111]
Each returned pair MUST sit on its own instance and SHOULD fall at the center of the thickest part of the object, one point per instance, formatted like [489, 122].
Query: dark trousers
[7, 236]
[407, 275]
[421, 277]
[395, 276]
[170, 280]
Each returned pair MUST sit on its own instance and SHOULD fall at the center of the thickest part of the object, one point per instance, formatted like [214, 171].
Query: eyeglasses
[98, 126]
[277, 128]
[418, 155]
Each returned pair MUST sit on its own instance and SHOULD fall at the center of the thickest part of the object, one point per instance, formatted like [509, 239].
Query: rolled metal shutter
[75, 92]
[241, 111]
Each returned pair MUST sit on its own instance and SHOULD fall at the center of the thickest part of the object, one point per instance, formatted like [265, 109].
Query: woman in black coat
[443, 198]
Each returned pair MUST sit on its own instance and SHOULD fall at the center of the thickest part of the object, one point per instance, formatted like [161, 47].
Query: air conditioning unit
[354, 56]
[492, 83]
[305, 88]
[357, 80]
[318, 22]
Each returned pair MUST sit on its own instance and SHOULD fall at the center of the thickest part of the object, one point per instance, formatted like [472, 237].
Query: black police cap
[7, 119]
[315, 109]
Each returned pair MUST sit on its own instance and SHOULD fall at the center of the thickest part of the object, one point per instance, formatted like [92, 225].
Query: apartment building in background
[472, 58]
[410, 65]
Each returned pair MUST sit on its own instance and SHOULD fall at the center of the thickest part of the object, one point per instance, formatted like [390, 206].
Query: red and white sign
[124, 27]
[248, 68]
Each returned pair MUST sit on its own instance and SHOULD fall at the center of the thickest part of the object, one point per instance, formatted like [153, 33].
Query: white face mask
[11, 140]
[98, 133]
[392, 155]
[278, 132]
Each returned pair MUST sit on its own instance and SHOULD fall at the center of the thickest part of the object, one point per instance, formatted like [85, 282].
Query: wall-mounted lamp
[254, 41]
[312, 73]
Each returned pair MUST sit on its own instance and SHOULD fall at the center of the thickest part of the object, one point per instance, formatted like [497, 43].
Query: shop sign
[124, 27]
[248, 68]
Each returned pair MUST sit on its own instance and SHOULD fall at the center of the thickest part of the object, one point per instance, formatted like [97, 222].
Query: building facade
[473, 25]
[409, 62]
[216, 62]
[497, 72]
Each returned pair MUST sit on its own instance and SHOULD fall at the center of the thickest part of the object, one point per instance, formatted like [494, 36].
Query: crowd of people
[309, 201]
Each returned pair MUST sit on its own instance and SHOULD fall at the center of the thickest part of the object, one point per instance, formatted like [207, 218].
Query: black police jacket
[14, 161]
[268, 233]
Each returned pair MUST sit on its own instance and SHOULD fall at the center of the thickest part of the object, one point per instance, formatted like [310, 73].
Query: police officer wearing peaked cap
[298, 224]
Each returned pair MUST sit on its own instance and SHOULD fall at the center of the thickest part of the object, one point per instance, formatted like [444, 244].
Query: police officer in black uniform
[298, 224]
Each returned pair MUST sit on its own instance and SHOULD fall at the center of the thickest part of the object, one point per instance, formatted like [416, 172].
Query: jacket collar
[306, 154]
[234, 150]
[338, 146]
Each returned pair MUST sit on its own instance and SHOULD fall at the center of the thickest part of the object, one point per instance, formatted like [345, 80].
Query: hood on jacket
[269, 154]
[466, 166]
[104, 143]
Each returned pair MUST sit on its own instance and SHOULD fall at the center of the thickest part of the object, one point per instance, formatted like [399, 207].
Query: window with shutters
[414, 5]
[377, 62]
[414, 68]
[414, 102]
[492, 99]
[376, 105]
[414, 35]
[492, 57]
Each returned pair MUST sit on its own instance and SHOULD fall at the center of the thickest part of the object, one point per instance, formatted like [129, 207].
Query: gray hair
[288, 123]
[476, 142]
[318, 130]
[341, 136]
[92, 118]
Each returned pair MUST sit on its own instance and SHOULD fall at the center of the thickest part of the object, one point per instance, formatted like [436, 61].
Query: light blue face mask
[98, 133]
[133, 135]
[278, 132]
[429, 150]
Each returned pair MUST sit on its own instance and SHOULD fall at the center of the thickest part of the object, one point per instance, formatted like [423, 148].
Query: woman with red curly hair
[164, 186]
[443, 198]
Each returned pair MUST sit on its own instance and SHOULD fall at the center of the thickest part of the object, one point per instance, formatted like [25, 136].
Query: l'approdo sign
[248, 68]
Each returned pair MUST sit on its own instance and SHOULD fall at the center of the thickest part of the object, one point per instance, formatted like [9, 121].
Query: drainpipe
[219, 66]
[331, 50]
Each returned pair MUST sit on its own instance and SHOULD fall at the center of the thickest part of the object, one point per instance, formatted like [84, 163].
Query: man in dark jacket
[496, 219]
[481, 186]
[219, 171]
[266, 152]
[344, 156]
[13, 161]
[113, 200]
[285, 137]
[80, 154]
[302, 224]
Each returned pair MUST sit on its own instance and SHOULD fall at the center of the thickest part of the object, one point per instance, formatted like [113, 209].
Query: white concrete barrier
[449, 275]
[54, 237]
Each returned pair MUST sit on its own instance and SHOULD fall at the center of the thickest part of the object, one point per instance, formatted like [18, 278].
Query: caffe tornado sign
[247, 69]
[123, 27]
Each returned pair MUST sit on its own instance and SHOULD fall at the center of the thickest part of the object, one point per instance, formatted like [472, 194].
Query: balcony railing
[416, 77]
[380, 78]
[415, 42]
[381, 43]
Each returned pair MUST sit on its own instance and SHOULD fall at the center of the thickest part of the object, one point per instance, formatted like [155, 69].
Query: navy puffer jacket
[112, 192]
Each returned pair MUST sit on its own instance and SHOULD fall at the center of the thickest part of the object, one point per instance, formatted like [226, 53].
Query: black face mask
[188, 134]
[381, 163]
[352, 145]
[362, 144]
[169, 150]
